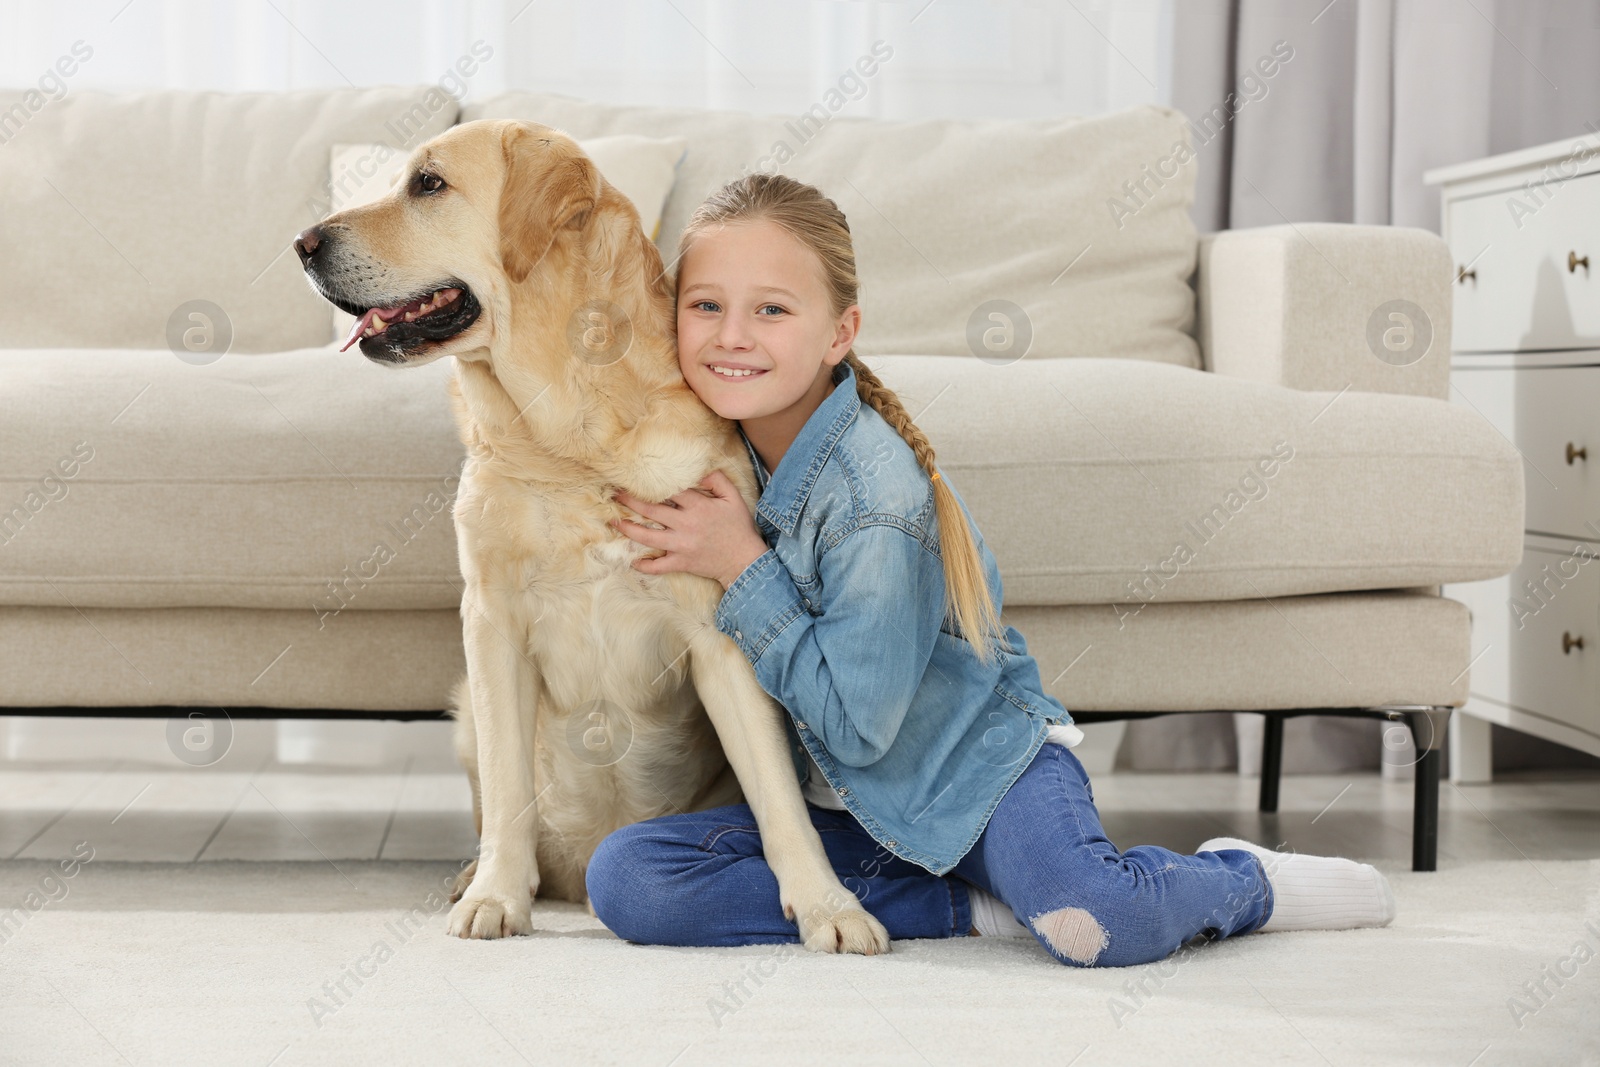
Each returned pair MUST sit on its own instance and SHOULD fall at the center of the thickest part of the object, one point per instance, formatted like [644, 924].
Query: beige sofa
[1218, 474]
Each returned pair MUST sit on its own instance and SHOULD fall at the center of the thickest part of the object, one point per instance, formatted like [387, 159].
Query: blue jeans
[701, 879]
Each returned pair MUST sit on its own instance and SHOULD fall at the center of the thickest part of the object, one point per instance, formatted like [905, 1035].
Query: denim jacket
[843, 620]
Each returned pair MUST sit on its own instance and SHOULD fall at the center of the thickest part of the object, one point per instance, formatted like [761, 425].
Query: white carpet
[216, 963]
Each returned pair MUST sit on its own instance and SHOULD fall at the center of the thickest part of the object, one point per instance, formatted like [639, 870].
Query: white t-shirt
[817, 792]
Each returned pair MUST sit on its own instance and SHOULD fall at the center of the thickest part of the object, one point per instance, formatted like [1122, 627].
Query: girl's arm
[848, 675]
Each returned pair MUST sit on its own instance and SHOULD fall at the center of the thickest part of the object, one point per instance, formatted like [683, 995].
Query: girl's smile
[735, 372]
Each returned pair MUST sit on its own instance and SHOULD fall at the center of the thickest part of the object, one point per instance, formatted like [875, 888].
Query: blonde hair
[816, 222]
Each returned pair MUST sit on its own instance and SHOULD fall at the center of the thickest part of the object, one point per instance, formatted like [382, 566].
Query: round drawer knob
[1574, 453]
[1574, 262]
[1462, 274]
[1568, 642]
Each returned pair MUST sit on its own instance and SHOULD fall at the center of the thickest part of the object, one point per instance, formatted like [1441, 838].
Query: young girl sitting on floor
[939, 773]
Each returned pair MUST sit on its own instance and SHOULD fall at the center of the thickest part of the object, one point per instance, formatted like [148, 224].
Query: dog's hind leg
[828, 916]
[499, 900]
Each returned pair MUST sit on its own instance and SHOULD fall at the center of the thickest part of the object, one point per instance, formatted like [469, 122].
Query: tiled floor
[393, 791]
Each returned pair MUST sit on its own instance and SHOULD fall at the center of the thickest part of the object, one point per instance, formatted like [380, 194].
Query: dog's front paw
[833, 927]
[485, 914]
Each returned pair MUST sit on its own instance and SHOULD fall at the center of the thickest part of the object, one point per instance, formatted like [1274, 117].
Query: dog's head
[428, 269]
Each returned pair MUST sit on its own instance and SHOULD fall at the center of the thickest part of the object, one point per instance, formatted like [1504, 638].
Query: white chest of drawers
[1524, 229]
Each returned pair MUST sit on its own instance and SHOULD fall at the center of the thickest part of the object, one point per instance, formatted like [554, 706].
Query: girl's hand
[709, 531]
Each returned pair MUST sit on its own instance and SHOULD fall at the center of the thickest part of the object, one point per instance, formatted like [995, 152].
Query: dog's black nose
[308, 243]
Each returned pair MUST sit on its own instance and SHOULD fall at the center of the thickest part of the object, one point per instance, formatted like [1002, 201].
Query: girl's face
[751, 296]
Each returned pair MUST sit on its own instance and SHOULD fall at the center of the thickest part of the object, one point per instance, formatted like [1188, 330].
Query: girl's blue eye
[700, 304]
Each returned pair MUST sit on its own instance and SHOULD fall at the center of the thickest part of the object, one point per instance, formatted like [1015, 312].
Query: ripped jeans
[701, 879]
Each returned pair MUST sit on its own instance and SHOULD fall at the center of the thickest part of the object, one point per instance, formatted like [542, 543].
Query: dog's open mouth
[389, 332]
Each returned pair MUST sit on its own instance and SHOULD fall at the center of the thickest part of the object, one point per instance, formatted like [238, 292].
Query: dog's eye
[429, 183]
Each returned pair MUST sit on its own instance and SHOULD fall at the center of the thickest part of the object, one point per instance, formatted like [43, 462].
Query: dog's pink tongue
[355, 333]
[359, 328]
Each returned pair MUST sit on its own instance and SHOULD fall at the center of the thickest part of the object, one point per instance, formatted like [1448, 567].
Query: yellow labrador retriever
[596, 695]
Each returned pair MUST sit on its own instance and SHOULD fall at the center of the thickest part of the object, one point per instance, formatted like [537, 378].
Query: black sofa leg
[1425, 814]
[1271, 760]
[1428, 732]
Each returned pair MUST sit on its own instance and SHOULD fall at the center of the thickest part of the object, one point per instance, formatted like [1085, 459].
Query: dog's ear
[545, 192]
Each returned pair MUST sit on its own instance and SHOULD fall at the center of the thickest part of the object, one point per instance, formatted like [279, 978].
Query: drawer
[1556, 427]
[1495, 270]
[1555, 602]
[1526, 287]
[1541, 411]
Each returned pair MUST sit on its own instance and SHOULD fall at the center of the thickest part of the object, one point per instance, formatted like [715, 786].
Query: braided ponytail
[966, 588]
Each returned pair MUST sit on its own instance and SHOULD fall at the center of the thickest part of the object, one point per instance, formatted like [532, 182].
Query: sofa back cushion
[122, 209]
[1083, 223]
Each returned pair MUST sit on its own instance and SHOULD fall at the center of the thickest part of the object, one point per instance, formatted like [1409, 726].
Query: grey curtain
[1376, 92]
[1310, 110]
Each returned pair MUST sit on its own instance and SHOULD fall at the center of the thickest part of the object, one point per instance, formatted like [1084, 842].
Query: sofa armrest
[1328, 306]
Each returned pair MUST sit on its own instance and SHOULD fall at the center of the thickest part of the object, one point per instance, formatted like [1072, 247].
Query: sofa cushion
[1125, 482]
[947, 215]
[320, 481]
[120, 209]
[310, 479]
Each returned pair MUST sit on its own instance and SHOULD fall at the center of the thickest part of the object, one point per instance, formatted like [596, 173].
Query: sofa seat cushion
[1101, 481]
[318, 480]
[309, 479]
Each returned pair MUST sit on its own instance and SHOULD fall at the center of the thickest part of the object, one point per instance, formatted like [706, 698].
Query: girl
[938, 773]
